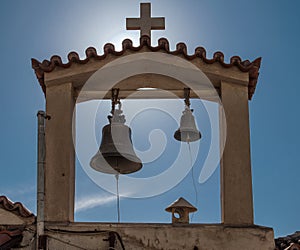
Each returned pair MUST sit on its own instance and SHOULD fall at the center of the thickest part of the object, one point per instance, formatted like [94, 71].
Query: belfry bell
[187, 131]
[116, 154]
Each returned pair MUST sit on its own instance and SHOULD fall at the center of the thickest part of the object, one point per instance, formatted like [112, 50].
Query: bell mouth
[124, 165]
[115, 164]
[187, 135]
[99, 164]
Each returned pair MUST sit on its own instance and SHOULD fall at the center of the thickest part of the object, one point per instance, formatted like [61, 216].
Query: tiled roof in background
[290, 242]
[9, 239]
[15, 207]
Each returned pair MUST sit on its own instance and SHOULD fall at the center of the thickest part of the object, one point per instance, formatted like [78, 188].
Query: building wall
[158, 237]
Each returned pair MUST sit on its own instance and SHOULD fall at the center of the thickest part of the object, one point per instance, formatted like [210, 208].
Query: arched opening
[153, 115]
[152, 135]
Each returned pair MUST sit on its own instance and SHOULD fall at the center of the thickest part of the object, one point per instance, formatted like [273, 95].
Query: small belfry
[185, 76]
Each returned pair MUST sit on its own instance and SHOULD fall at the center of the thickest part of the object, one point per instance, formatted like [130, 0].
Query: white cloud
[21, 191]
[85, 203]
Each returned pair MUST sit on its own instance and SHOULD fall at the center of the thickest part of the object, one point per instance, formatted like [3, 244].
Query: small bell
[187, 131]
[116, 154]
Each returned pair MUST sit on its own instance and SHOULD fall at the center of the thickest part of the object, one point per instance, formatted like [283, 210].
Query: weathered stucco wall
[158, 237]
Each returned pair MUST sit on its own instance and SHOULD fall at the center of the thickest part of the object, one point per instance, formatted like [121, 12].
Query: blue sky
[269, 29]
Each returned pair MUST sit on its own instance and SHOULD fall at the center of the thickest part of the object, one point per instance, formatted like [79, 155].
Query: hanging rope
[114, 101]
[118, 197]
[193, 178]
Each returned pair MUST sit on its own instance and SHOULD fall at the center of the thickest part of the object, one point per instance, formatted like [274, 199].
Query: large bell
[116, 154]
[187, 131]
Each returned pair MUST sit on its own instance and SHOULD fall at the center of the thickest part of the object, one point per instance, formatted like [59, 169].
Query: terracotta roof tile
[181, 203]
[290, 242]
[163, 45]
[9, 239]
[16, 208]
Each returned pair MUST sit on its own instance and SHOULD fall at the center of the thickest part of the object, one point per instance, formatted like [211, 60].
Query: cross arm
[158, 23]
[133, 23]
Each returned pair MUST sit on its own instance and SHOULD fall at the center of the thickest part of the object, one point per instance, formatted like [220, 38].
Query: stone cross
[145, 23]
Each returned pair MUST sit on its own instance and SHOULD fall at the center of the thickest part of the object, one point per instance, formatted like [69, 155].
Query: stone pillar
[60, 154]
[236, 180]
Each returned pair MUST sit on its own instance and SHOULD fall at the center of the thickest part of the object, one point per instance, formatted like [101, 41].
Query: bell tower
[234, 84]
